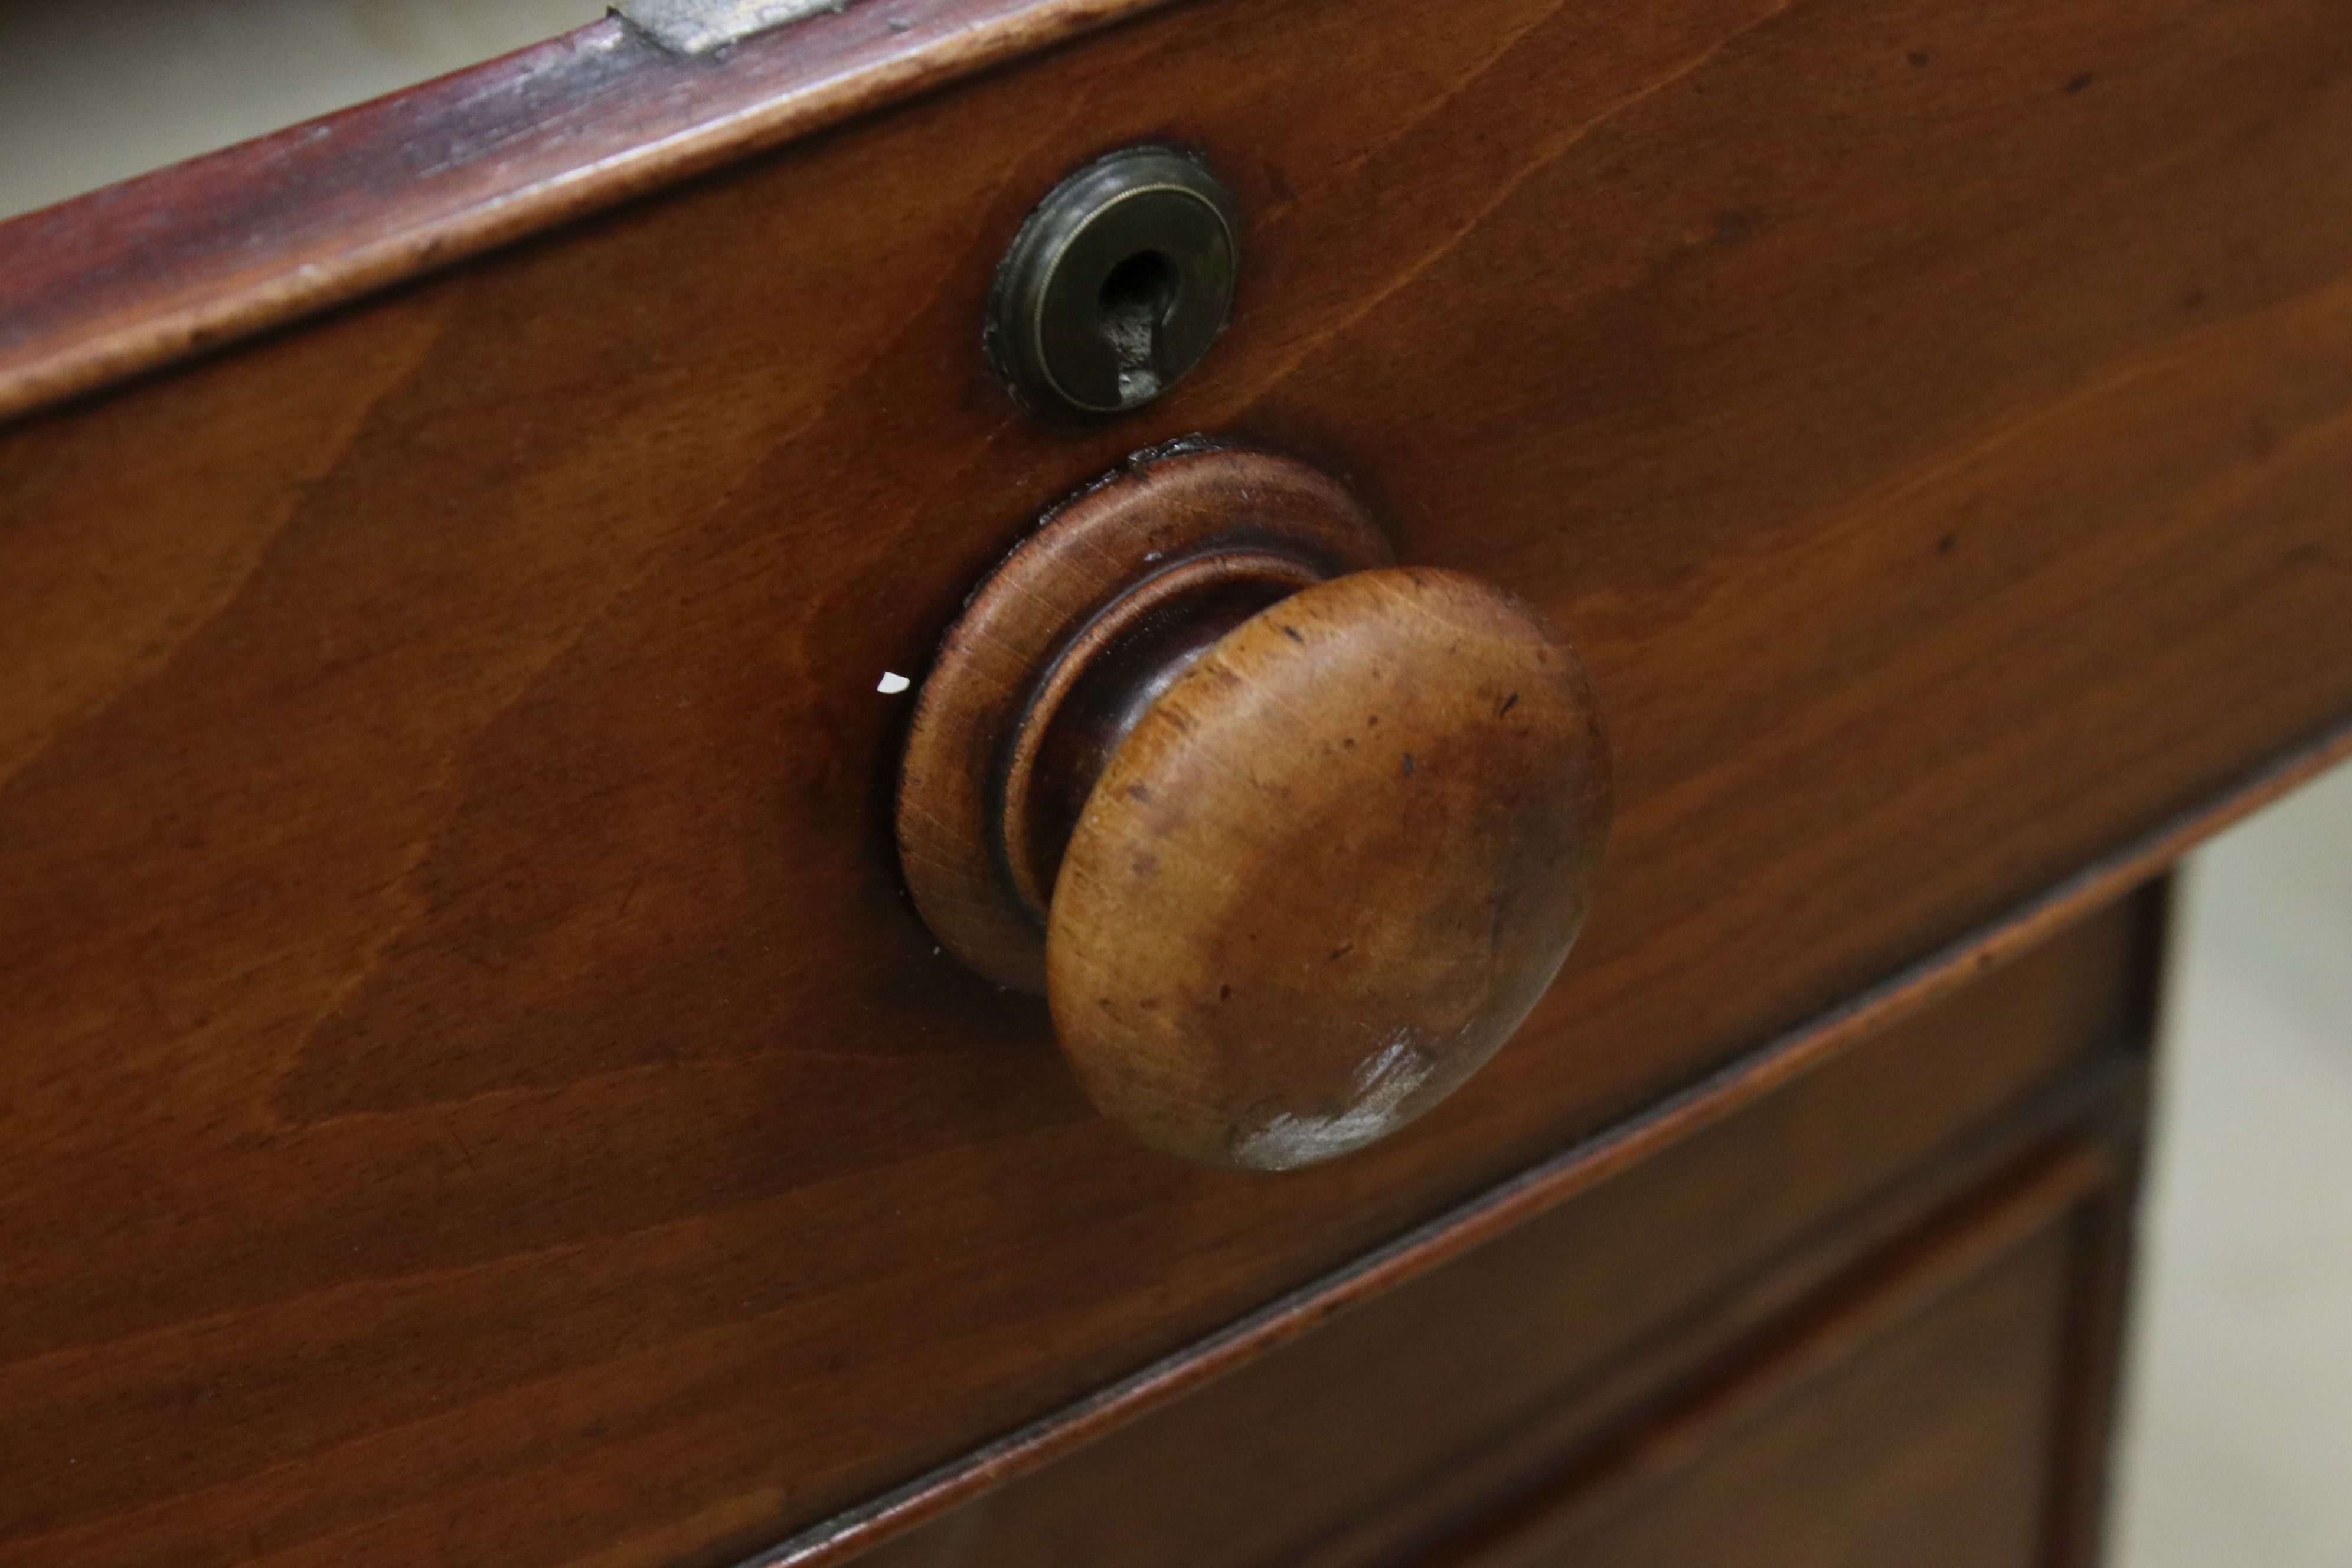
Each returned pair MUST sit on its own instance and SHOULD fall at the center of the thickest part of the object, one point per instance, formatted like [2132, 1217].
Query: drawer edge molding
[185, 259]
[1575, 1170]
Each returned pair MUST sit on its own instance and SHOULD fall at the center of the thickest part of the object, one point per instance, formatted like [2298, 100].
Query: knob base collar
[1065, 644]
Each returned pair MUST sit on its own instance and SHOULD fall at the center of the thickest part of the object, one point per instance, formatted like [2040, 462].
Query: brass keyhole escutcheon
[1115, 285]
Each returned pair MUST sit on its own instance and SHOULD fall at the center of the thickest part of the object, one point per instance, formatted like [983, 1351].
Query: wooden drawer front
[1667, 1313]
[466, 1039]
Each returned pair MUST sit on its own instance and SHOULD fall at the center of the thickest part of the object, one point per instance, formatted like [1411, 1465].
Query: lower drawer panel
[1911, 1421]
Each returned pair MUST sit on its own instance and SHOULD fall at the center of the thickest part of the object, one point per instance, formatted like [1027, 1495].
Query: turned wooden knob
[1291, 837]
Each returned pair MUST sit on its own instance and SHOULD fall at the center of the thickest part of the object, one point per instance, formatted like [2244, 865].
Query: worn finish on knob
[1292, 838]
[1330, 870]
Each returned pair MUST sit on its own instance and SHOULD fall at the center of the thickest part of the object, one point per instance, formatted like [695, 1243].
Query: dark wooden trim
[2089, 1400]
[2159, 910]
[176, 262]
[1578, 1169]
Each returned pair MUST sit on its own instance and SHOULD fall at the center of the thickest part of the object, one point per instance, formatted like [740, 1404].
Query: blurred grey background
[97, 90]
[2238, 1435]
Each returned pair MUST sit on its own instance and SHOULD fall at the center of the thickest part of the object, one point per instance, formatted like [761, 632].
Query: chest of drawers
[478, 1088]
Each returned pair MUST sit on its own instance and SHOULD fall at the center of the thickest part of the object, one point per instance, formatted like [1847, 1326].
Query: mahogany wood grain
[473, 1083]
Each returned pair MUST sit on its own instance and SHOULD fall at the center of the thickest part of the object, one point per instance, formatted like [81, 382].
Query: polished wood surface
[474, 1081]
[1306, 844]
[1455, 1406]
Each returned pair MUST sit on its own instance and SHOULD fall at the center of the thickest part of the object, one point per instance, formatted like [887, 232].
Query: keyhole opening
[1135, 301]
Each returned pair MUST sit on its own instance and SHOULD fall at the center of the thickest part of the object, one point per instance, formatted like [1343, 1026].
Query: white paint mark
[892, 683]
[1383, 1086]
